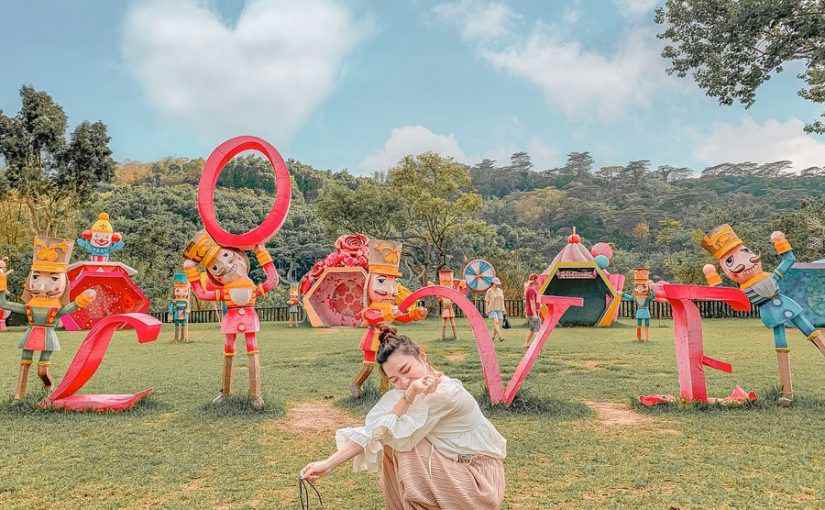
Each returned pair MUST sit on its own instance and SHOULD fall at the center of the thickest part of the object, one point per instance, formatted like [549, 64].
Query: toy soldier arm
[194, 277]
[783, 248]
[118, 245]
[82, 301]
[372, 316]
[8, 305]
[265, 260]
[627, 297]
[711, 275]
[415, 313]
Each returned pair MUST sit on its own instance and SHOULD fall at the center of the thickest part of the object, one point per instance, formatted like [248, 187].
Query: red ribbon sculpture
[486, 350]
[222, 154]
[87, 360]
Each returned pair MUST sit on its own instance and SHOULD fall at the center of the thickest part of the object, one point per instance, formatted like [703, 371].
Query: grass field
[175, 451]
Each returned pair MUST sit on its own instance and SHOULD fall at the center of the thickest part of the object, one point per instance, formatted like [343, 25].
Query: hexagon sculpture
[333, 290]
[117, 293]
[576, 272]
[805, 284]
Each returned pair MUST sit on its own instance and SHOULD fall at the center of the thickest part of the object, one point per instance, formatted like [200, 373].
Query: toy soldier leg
[185, 332]
[358, 382]
[255, 380]
[43, 369]
[226, 381]
[22, 379]
[783, 359]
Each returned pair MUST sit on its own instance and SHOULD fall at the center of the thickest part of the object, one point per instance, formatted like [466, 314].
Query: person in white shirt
[435, 448]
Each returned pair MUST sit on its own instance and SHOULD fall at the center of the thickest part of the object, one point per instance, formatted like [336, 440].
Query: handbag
[505, 323]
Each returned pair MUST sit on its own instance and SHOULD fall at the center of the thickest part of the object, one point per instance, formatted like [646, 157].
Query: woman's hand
[423, 386]
[315, 470]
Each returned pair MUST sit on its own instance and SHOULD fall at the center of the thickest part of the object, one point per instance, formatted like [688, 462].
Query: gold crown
[641, 275]
[384, 257]
[202, 249]
[721, 240]
[51, 255]
[102, 224]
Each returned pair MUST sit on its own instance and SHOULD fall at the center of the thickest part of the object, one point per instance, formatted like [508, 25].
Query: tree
[733, 47]
[44, 172]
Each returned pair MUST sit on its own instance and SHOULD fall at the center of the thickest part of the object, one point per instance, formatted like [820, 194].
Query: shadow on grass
[370, 396]
[526, 403]
[768, 401]
[240, 405]
[28, 407]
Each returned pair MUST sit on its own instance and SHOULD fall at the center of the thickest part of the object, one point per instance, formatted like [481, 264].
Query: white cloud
[478, 20]
[582, 82]
[411, 140]
[761, 143]
[264, 76]
[635, 7]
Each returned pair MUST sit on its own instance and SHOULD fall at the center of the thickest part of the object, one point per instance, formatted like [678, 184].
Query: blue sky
[356, 84]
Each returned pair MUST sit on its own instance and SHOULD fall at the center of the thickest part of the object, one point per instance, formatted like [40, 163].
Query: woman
[494, 306]
[435, 448]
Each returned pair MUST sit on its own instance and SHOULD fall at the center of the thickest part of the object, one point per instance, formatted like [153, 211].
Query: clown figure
[228, 272]
[384, 294]
[179, 307]
[643, 295]
[46, 299]
[744, 267]
[100, 240]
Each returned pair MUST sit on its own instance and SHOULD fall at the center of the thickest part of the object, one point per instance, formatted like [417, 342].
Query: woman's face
[402, 369]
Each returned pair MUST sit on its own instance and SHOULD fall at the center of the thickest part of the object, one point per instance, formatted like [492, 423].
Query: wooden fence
[515, 308]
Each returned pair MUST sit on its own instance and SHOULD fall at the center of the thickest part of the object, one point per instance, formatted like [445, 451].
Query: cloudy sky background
[357, 84]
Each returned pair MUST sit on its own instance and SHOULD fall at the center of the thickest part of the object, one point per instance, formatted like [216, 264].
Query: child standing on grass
[435, 448]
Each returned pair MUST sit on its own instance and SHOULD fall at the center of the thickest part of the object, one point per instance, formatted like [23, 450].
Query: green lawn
[176, 452]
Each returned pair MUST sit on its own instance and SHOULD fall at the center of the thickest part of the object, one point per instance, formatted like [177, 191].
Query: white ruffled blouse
[449, 419]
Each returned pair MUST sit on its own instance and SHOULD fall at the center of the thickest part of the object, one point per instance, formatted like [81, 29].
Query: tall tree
[733, 47]
[42, 170]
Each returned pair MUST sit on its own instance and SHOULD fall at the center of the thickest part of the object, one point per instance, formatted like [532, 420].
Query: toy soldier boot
[818, 339]
[185, 334]
[43, 374]
[783, 358]
[638, 333]
[363, 375]
[647, 334]
[22, 380]
[227, 379]
[255, 381]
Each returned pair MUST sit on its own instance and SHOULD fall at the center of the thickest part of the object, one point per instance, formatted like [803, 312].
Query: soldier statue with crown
[46, 299]
[228, 281]
[179, 307]
[744, 267]
[384, 294]
[100, 240]
[642, 295]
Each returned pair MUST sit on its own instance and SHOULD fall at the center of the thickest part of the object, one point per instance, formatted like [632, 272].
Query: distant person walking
[531, 308]
[494, 307]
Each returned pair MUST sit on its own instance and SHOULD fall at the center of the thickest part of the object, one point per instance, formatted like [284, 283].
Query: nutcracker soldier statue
[179, 307]
[100, 240]
[46, 299]
[4, 272]
[294, 303]
[642, 295]
[744, 267]
[384, 294]
[446, 278]
[227, 270]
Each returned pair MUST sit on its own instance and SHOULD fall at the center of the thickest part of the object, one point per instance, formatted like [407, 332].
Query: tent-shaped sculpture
[579, 272]
[805, 284]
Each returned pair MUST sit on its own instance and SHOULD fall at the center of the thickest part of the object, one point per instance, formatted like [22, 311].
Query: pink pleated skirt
[424, 479]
